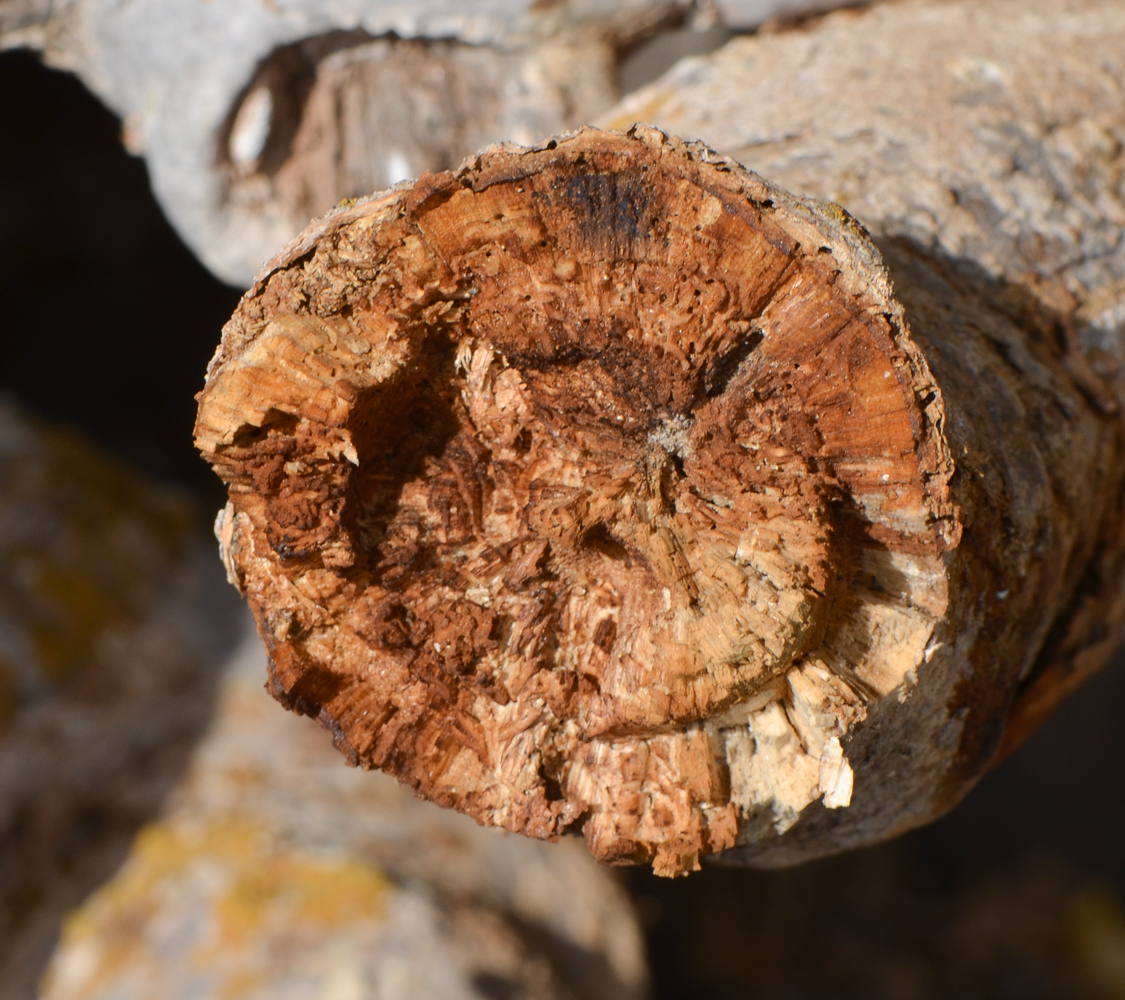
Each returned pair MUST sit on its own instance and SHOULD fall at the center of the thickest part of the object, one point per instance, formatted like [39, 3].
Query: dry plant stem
[253, 117]
[998, 153]
[606, 487]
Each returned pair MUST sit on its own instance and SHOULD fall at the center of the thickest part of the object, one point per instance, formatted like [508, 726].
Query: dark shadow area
[587, 973]
[108, 321]
[670, 42]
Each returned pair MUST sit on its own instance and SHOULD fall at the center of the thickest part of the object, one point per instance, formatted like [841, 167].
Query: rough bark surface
[252, 116]
[276, 873]
[983, 143]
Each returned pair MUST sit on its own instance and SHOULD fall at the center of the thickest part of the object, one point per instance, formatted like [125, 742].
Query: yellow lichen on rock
[249, 899]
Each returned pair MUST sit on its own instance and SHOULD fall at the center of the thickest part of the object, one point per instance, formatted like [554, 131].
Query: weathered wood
[252, 117]
[131, 699]
[606, 487]
[276, 873]
[997, 153]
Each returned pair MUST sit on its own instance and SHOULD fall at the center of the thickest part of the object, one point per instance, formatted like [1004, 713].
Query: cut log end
[594, 487]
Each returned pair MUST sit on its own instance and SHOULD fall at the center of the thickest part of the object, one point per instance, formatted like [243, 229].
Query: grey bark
[983, 146]
[253, 117]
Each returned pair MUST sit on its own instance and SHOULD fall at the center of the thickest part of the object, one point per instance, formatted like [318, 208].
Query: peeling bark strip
[603, 487]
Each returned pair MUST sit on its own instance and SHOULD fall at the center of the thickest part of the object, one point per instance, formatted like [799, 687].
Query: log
[131, 703]
[274, 872]
[999, 155]
[605, 487]
[252, 117]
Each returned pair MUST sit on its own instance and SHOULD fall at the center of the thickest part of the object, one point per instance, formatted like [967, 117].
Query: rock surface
[276, 873]
[113, 621]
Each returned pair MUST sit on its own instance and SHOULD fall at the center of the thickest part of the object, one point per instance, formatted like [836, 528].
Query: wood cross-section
[593, 487]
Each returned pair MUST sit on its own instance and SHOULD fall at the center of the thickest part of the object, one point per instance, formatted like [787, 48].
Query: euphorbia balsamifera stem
[604, 487]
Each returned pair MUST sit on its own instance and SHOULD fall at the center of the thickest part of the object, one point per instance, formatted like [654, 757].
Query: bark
[252, 117]
[606, 487]
[990, 144]
[275, 873]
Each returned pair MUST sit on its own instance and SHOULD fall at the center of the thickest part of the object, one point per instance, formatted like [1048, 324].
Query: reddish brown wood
[603, 487]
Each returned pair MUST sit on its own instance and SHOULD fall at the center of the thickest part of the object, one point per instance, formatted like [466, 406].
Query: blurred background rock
[273, 872]
[264, 867]
[112, 631]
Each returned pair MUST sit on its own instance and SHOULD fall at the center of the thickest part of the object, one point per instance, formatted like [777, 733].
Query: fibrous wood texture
[254, 116]
[275, 873]
[602, 487]
[543, 508]
[988, 144]
[988, 133]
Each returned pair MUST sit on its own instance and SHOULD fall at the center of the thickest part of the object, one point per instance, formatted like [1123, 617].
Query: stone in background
[113, 625]
[277, 872]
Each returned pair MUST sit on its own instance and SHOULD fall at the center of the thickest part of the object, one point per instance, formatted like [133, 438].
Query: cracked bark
[605, 487]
